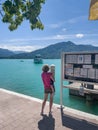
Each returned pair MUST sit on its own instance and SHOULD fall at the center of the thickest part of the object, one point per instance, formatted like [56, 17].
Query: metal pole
[61, 87]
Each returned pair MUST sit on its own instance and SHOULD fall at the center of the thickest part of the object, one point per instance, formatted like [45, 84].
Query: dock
[21, 112]
[89, 94]
[76, 86]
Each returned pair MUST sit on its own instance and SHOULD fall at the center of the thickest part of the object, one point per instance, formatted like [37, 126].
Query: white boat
[38, 59]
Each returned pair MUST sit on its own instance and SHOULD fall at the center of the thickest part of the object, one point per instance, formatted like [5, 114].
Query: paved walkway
[19, 112]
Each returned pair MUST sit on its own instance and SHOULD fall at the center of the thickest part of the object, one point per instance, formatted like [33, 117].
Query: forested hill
[5, 53]
[54, 51]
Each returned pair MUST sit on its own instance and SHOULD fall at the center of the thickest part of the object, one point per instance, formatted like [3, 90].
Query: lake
[23, 76]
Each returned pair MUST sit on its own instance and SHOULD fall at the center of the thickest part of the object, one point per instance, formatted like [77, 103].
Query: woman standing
[48, 88]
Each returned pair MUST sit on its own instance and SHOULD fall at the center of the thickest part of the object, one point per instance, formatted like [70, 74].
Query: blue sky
[64, 20]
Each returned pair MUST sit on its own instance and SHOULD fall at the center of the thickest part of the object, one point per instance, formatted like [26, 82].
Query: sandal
[50, 113]
[41, 113]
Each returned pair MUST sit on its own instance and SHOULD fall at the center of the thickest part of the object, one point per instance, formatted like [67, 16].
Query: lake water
[25, 77]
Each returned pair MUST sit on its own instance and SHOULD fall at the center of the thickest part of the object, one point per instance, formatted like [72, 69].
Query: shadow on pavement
[47, 123]
[76, 124]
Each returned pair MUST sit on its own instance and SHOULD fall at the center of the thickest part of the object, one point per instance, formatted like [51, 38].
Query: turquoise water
[25, 77]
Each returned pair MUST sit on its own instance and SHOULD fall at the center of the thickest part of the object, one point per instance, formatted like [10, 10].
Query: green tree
[15, 12]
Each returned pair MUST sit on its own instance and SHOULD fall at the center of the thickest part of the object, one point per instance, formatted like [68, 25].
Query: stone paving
[20, 112]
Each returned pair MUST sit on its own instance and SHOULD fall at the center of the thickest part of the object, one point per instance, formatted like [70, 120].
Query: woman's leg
[51, 102]
[44, 102]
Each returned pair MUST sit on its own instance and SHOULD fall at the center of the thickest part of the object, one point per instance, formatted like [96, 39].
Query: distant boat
[38, 59]
[21, 61]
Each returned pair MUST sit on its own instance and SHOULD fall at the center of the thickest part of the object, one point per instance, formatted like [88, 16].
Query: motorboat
[38, 59]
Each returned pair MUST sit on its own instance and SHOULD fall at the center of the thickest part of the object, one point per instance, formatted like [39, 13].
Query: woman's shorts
[48, 90]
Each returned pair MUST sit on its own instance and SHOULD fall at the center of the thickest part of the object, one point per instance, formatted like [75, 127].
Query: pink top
[46, 76]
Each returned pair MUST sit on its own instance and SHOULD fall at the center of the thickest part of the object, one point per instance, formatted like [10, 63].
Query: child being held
[52, 83]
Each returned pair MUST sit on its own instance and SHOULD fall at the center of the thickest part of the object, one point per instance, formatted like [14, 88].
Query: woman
[48, 88]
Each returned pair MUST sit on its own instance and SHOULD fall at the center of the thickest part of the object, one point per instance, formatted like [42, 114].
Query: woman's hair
[45, 68]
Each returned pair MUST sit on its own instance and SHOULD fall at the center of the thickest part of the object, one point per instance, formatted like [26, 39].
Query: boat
[21, 61]
[38, 59]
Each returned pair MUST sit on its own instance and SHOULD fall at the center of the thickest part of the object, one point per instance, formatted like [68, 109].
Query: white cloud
[59, 37]
[76, 19]
[69, 21]
[79, 35]
[64, 29]
[54, 25]
[32, 41]
[21, 48]
[72, 21]
[35, 43]
[31, 44]
[62, 37]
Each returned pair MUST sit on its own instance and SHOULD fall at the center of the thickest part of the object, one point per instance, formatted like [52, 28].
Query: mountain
[5, 53]
[54, 51]
[19, 52]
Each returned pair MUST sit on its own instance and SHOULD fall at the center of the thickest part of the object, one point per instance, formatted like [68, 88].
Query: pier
[21, 112]
[89, 94]
[76, 86]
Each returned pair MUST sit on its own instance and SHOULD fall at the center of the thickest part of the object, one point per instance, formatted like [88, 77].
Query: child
[52, 83]
[52, 70]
